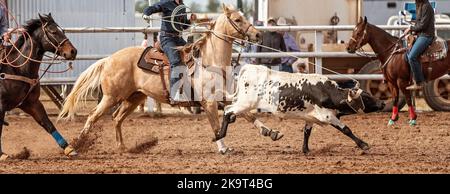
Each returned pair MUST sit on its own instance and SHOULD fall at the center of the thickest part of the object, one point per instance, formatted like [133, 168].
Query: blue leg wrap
[59, 139]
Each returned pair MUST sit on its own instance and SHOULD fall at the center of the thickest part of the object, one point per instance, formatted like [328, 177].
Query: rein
[364, 54]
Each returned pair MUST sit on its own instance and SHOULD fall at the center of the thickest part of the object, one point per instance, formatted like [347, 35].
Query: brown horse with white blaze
[395, 68]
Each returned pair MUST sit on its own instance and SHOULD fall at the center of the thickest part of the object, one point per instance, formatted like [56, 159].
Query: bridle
[47, 37]
[364, 37]
[239, 30]
[34, 82]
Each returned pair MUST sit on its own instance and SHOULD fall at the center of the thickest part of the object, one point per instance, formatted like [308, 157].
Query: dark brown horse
[19, 73]
[395, 68]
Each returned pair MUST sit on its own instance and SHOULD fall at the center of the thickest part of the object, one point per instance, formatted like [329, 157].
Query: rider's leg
[169, 45]
[418, 48]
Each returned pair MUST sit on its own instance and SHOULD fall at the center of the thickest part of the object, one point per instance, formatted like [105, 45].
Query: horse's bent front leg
[37, 111]
[213, 116]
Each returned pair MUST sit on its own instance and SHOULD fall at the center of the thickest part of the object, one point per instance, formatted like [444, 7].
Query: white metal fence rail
[317, 54]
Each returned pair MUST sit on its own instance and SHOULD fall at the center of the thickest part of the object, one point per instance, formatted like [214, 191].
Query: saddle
[154, 60]
[435, 52]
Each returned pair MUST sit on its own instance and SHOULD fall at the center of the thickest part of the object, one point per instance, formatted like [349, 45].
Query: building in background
[311, 12]
[379, 11]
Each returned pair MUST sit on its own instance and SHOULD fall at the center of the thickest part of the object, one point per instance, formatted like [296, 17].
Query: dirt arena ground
[182, 144]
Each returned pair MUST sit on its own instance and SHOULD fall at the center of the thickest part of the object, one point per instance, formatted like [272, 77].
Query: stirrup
[415, 87]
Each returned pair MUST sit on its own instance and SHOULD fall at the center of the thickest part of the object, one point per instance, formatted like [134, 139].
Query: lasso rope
[25, 34]
[174, 15]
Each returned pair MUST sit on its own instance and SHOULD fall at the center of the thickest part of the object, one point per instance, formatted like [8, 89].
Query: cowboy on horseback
[170, 38]
[425, 30]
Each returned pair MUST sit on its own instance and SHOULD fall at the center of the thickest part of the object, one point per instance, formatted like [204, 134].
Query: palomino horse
[123, 82]
[395, 68]
[19, 78]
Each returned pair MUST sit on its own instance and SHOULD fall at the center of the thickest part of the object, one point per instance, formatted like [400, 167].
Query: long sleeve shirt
[291, 46]
[166, 7]
[425, 20]
[273, 40]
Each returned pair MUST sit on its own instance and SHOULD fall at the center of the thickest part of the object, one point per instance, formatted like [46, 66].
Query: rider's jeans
[418, 48]
[168, 45]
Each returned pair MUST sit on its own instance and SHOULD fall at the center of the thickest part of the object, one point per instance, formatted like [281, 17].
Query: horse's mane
[30, 26]
[381, 31]
[202, 40]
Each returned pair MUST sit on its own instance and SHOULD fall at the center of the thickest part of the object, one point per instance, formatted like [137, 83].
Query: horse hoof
[412, 123]
[226, 151]
[122, 148]
[276, 135]
[305, 151]
[4, 157]
[391, 122]
[70, 152]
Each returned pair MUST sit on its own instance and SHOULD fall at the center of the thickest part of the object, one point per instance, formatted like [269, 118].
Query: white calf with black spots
[310, 97]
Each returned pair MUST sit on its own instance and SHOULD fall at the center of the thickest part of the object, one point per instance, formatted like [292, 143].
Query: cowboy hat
[271, 19]
[282, 21]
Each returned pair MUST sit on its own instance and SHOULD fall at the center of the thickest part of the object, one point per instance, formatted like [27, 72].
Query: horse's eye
[237, 20]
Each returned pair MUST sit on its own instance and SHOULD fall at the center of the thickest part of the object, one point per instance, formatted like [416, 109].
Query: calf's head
[359, 100]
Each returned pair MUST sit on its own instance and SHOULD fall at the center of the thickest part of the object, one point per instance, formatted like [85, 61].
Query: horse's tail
[88, 81]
